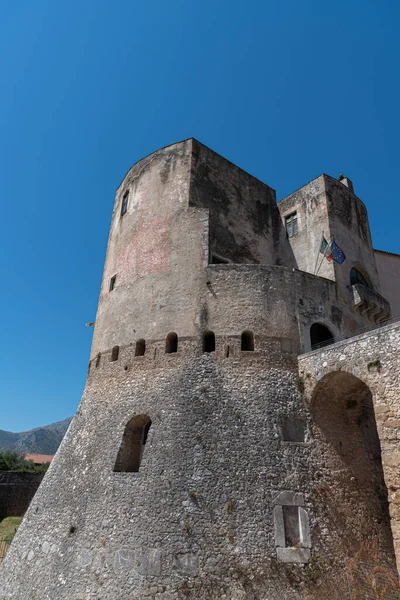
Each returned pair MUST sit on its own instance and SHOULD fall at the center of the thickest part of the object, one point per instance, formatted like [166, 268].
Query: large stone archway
[352, 389]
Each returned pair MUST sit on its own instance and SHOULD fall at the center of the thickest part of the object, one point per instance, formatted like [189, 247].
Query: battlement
[224, 347]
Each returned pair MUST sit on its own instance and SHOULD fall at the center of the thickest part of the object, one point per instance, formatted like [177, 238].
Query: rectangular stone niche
[293, 429]
[292, 531]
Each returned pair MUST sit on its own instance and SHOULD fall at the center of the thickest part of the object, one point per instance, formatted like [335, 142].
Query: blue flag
[337, 253]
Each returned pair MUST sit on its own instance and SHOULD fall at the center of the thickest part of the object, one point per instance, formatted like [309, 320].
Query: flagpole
[324, 255]
[320, 264]
[316, 262]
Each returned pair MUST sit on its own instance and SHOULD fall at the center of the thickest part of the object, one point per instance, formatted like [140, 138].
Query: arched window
[114, 353]
[320, 336]
[247, 341]
[140, 347]
[208, 341]
[171, 344]
[133, 441]
[357, 277]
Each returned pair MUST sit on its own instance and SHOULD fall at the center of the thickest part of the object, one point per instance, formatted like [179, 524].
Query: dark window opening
[113, 282]
[320, 336]
[357, 277]
[292, 526]
[291, 224]
[98, 358]
[114, 353]
[208, 341]
[171, 344]
[293, 429]
[132, 446]
[124, 204]
[247, 341]
[140, 347]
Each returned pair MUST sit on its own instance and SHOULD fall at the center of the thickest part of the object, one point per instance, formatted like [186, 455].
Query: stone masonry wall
[374, 360]
[199, 520]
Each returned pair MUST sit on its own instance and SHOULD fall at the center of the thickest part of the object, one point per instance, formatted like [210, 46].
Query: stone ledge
[293, 555]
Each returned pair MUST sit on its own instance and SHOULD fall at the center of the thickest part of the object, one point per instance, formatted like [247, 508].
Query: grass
[9, 525]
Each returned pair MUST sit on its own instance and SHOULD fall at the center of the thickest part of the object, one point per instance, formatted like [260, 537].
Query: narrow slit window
[140, 347]
[130, 453]
[124, 204]
[292, 526]
[171, 344]
[113, 281]
[98, 359]
[209, 341]
[247, 344]
[114, 354]
[291, 224]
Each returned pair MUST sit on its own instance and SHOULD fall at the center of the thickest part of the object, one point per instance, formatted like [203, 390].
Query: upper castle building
[238, 433]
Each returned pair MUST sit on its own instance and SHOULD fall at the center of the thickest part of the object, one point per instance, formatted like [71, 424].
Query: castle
[239, 431]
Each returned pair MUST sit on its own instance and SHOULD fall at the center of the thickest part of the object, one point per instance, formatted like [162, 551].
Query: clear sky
[286, 89]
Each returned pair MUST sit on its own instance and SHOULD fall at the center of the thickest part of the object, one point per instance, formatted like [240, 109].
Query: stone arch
[320, 335]
[132, 445]
[354, 493]
[359, 275]
[171, 344]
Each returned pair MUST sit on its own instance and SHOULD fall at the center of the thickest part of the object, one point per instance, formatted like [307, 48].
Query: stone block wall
[369, 362]
[16, 492]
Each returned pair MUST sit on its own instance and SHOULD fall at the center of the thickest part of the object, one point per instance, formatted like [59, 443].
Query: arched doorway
[320, 336]
[357, 277]
[352, 497]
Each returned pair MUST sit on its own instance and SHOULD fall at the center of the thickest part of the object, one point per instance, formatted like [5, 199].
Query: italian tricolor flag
[325, 249]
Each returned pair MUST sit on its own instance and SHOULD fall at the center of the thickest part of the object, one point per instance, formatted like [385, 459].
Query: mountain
[41, 440]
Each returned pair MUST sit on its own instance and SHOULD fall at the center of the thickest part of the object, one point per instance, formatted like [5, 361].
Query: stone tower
[198, 464]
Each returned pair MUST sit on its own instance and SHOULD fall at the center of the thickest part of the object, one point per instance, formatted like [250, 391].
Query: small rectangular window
[292, 526]
[291, 224]
[113, 282]
[124, 205]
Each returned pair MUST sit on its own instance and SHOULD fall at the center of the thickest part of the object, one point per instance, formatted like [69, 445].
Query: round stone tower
[191, 469]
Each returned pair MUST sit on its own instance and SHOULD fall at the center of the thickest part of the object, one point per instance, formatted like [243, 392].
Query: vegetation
[12, 461]
[8, 526]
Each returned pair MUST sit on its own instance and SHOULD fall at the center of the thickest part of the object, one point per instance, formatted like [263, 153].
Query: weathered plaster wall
[245, 226]
[388, 266]
[374, 359]
[349, 225]
[312, 221]
[157, 251]
[17, 491]
[272, 301]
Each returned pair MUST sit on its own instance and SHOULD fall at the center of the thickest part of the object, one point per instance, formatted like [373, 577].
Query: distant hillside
[42, 440]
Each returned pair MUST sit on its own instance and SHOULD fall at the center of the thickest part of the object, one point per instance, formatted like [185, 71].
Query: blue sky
[285, 89]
